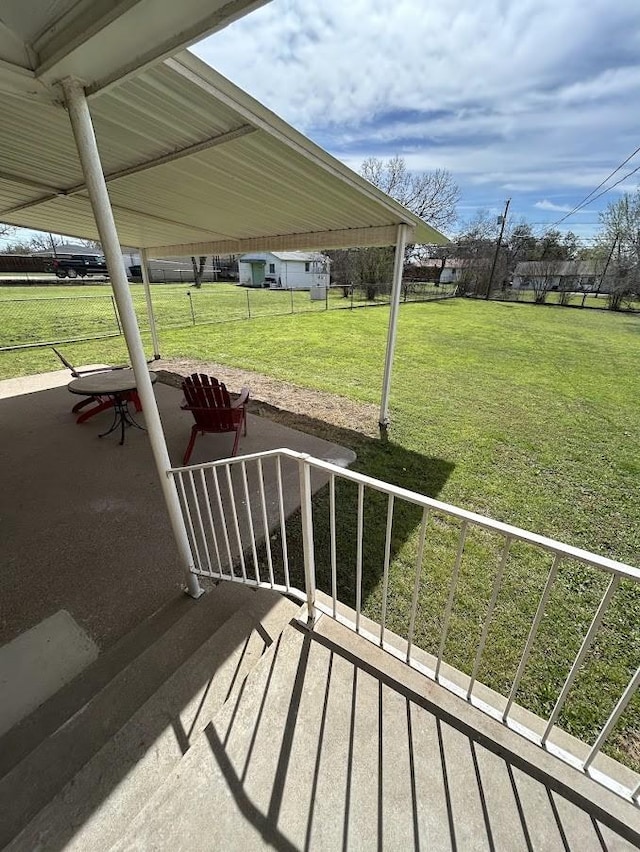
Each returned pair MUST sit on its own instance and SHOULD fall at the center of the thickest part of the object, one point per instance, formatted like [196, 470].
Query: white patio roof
[194, 165]
[99, 41]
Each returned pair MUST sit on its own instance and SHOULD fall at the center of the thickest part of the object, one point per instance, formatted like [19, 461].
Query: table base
[121, 417]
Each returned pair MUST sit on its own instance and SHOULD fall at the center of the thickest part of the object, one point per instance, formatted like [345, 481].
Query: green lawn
[34, 314]
[526, 414]
[45, 314]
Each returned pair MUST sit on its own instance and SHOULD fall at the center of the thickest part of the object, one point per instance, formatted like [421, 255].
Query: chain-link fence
[566, 298]
[35, 320]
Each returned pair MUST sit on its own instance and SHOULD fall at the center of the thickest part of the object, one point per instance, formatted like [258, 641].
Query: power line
[623, 178]
[590, 197]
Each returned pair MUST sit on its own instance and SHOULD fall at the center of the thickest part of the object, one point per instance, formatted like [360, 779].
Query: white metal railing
[230, 513]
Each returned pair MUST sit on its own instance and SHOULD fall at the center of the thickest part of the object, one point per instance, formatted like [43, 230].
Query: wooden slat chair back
[213, 410]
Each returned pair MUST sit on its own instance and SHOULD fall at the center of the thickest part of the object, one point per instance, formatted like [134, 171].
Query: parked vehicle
[74, 265]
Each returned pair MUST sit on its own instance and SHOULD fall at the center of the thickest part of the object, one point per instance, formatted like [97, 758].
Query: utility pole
[606, 266]
[498, 244]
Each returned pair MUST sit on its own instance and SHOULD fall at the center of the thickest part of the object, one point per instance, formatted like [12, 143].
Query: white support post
[396, 289]
[97, 188]
[144, 267]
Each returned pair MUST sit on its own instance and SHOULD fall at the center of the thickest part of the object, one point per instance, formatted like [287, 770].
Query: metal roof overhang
[194, 165]
[99, 41]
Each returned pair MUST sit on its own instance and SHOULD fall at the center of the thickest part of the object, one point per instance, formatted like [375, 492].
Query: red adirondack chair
[209, 402]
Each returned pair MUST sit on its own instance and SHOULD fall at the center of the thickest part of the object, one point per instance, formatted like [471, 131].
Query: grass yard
[33, 314]
[42, 314]
[526, 414]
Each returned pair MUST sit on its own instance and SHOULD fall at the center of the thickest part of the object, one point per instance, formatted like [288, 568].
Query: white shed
[287, 270]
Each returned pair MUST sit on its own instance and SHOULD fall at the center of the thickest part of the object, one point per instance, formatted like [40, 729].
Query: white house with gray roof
[286, 270]
[557, 274]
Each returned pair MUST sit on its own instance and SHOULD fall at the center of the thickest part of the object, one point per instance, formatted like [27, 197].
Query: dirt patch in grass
[282, 401]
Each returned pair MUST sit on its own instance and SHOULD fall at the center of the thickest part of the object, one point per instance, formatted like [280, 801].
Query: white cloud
[559, 208]
[511, 95]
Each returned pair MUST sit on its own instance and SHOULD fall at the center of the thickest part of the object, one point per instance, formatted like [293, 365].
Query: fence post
[326, 297]
[115, 313]
[248, 306]
[193, 316]
[352, 288]
[307, 538]
[291, 294]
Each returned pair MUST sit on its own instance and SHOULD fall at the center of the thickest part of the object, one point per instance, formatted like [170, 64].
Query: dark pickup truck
[74, 265]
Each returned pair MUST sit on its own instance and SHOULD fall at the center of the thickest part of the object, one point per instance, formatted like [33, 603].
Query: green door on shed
[257, 274]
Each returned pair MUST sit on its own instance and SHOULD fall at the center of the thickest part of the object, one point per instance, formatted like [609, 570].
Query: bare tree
[474, 249]
[541, 276]
[374, 270]
[622, 283]
[433, 196]
[96, 245]
[198, 270]
[567, 286]
[619, 241]
[17, 247]
[621, 221]
[44, 241]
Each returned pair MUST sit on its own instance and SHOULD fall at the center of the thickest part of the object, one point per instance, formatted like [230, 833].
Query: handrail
[226, 510]
[552, 545]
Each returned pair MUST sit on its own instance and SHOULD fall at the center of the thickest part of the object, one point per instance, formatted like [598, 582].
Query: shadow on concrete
[142, 705]
[382, 459]
[404, 774]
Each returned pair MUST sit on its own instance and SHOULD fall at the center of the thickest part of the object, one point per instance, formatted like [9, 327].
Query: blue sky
[536, 100]
[532, 100]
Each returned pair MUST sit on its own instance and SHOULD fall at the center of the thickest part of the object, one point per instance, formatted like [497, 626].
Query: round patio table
[118, 385]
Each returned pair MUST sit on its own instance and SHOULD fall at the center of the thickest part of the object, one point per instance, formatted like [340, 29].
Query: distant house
[556, 275]
[289, 270]
[451, 272]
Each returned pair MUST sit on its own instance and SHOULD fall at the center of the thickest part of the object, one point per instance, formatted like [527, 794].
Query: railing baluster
[385, 572]
[524, 659]
[205, 489]
[332, 526]
[283, 525]
[618, 710]
[236, 526]
[265, 521]
[416, 585]
[223, 520]
[190, 529]
[252, 532]
[452, 591]
[497, 585]
[306, 511]
[582, 653]
[360, 534]
[199, 517]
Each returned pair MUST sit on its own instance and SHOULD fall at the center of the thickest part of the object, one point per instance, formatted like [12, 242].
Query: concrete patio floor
[83, 527]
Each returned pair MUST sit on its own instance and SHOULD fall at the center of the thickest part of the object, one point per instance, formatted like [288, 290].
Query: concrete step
[27, 735]
[44, 786]
[334, 744]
